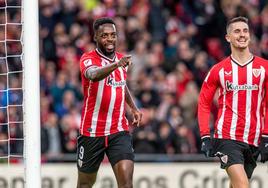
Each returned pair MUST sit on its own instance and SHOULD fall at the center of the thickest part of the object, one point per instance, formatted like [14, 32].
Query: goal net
[15, 82]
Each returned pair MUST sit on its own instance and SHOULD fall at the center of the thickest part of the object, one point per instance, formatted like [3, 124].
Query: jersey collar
[105, 57]
[242, 65]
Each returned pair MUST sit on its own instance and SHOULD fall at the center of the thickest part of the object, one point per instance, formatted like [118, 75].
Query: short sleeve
[87, 61]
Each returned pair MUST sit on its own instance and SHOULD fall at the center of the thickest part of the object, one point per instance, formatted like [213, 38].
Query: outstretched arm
[137, 115]
[95, 73]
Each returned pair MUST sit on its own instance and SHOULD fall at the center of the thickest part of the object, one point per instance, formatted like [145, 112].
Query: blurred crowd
[173, 44]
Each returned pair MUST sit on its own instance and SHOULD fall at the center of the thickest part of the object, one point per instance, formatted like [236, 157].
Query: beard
[106, 52]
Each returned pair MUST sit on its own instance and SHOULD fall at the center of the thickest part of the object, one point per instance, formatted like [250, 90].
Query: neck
[242, 56]
[109, 55]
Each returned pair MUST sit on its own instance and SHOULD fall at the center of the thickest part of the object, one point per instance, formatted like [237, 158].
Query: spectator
[173, 45]
[51, 145]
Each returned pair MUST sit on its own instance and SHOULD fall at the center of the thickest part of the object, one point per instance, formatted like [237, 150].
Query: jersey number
[81, 152]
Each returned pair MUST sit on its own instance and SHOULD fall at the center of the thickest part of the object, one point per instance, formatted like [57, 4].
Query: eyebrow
[241, 29]
[107, 33]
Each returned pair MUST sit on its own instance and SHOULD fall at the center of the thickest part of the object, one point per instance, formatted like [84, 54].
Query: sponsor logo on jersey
[111, 82]
[235, 87]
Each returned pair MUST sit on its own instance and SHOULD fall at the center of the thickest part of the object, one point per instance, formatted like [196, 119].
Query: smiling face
[238, 35]
[106, 39]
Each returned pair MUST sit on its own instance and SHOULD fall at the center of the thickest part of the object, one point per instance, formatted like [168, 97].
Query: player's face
[106, 39]
[238, 35]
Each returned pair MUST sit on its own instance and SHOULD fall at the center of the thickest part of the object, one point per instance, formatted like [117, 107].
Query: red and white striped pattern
[242, 91]
[103, 111]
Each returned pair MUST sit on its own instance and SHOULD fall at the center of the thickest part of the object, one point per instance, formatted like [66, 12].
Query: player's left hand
[263, 148]
[206, 147]
[137, 115]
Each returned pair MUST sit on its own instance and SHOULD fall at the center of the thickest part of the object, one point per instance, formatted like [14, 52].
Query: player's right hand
[206, 147]
[263, 148]
[124, 61]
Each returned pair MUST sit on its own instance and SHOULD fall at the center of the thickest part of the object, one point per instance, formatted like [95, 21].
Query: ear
[227, 37]
[95, 37]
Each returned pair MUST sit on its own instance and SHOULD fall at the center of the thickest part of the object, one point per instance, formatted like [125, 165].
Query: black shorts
[234, 152]
[91, 150]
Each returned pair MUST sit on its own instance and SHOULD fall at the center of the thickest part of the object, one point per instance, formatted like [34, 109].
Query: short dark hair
[236, 19]
[100, 21]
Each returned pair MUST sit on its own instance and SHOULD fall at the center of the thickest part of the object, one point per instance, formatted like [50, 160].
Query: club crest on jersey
[256, 72]
[228, 73]
[111, 82]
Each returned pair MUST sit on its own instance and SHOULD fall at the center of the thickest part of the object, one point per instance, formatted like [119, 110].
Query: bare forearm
[137, 115]
[129, 100]
[99, 73]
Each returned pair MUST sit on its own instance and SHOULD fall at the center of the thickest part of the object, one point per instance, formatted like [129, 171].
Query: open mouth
[110, 46]
[242, 40]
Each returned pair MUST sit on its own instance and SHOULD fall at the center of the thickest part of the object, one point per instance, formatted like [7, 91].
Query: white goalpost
[32, 148]
[20, 150]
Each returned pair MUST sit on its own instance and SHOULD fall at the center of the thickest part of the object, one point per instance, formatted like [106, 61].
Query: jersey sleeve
[87, 61]
[206, 95]
[265, 128]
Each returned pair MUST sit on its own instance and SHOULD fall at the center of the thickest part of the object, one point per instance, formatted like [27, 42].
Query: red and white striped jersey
[103, 111]
[243, 95]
